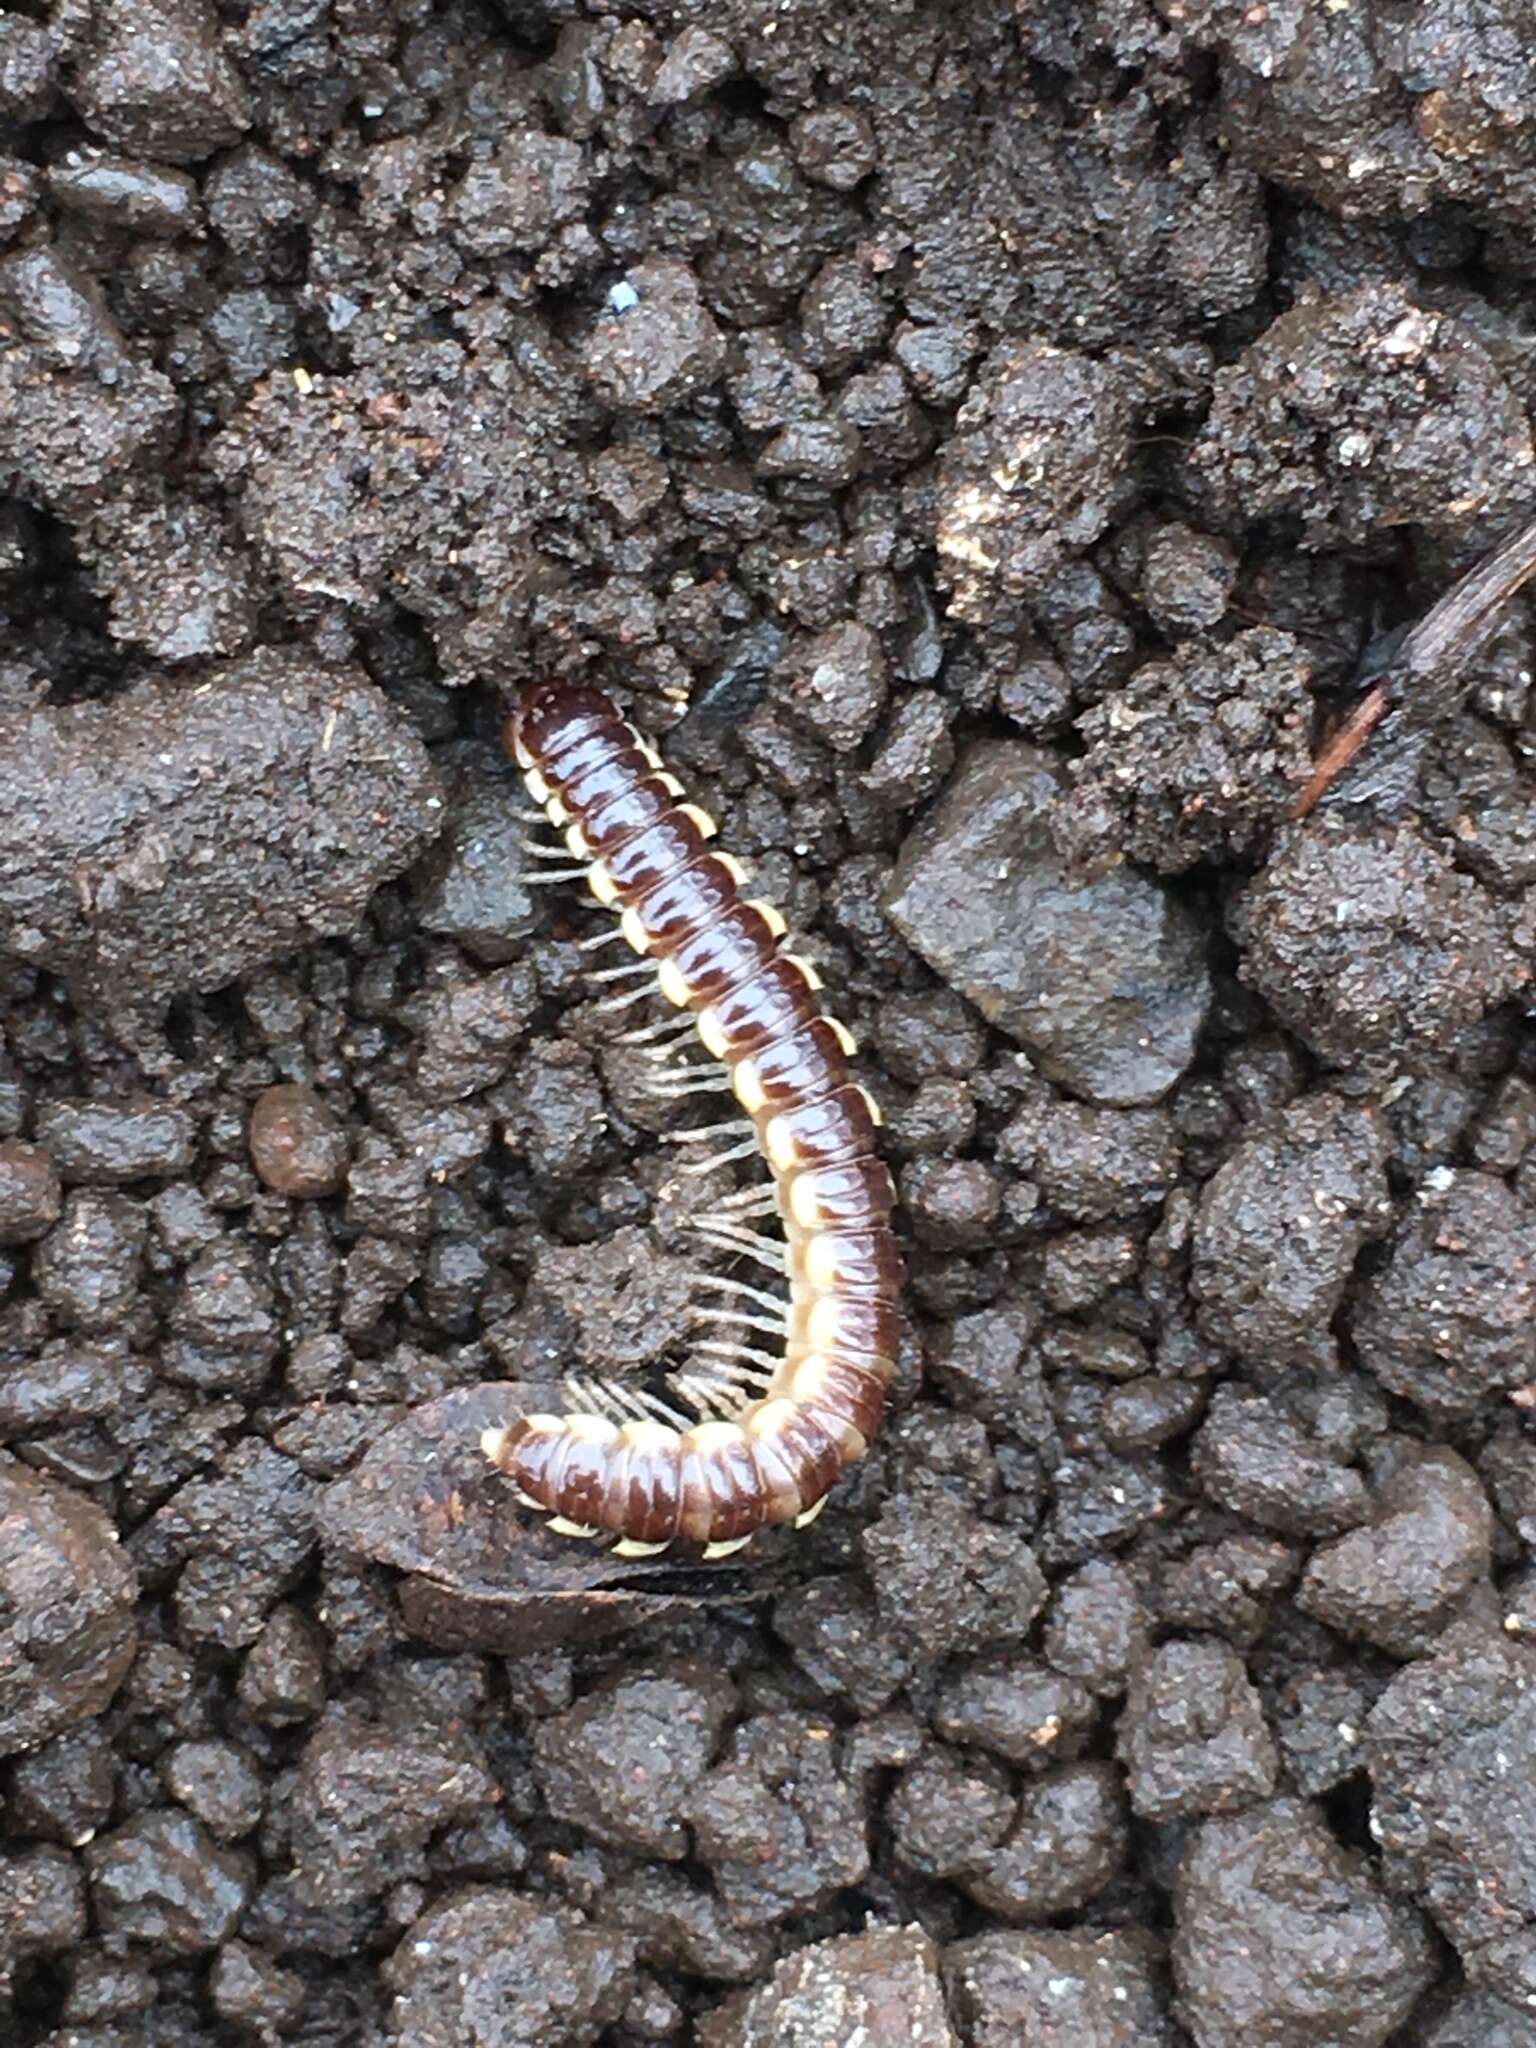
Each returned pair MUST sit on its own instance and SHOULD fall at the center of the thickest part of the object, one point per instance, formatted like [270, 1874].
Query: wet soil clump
[986, 447]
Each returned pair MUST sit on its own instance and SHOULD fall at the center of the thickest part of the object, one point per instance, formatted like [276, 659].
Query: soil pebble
[1193, 1738]
[31, 1195]
[298, 1144]
[1103, 981]
[1068, 1841]
[1367, 361]
[1281, 1225]
[188, 836]
[368, 1798]
[483, 1968]
[1262, 1463]
[622, 1761]
[473, 886]
[660, 345]
[879, 1986]
[42, 1909]
[67, 1627]
[1031, 476]
[1033, 1990]
[1372, 947]
[1451, 1805]
[154, 80]
[1282, 1934]
[108, 1144]
[1450, 1314]
[1197, 758]
[954, 1582]
[162, 1878]
[1399, 1578]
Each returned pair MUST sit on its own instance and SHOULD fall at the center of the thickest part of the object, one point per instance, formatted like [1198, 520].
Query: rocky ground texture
[980, 440]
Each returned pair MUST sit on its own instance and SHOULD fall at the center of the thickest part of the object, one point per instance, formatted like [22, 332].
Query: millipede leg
[747, 1149]
[737, 1319]
[723, 1283]
[726, 1238]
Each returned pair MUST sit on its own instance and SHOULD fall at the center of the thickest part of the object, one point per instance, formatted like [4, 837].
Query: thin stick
[1436, 652]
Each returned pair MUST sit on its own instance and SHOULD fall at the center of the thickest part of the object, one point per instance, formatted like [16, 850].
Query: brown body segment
[758, 1011]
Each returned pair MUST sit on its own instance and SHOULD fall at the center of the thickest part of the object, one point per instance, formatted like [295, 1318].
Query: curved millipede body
[646, 856]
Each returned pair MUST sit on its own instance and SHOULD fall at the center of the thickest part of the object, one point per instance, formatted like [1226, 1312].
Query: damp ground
[984, 444]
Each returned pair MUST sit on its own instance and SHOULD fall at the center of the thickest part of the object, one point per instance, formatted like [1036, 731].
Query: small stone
[835, 1631]
[659, 346]
[162, 1878]
[155, 82]
[1192, 1737]
[42, 1907]
[1448, 1747]
[367, 1800]
[623, 1760]
[1105, 981]
[253, 1992]
[473, 887]
[1031, 475]
[298, 1143]
[485, 1965]
[837, 683]
[146, 199]
[1449, 1317]
[469, 1028]
[780, 1821]
[695, 63]
[106, 1144]
[532, 186]
[915, 752]
[217, 1782]
[953, 1204]
[282, 1679]
[835, 146]
[1187, 579]
[63, 1790]
[1017, 1708]
[1372, 946]
[818, 451]
[225, 1328]
[1280, 1226]
[30, 1194]
[87, 1268]
[1396, 1581]
[1098, 1626]
[878, 1987]
[1070, 1839]
[1282, 1935]
[1253, 1458]
[954, 1582]
[948, 1814]
[27, 68]
[1044, 1990]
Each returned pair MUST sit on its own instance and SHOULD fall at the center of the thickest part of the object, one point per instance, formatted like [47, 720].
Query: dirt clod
[66, 1622]
[1326, 1954]
[192, 835]
[980, 893]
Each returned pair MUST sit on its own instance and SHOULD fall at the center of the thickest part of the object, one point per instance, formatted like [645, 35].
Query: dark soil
[985, 443]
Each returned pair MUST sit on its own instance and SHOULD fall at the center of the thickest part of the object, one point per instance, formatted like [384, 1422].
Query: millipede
[752, 1438]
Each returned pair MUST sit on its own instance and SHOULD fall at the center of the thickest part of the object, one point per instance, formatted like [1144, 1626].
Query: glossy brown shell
[758, 1010]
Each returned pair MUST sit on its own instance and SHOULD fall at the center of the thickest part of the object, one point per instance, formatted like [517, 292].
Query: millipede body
[772, 1458]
